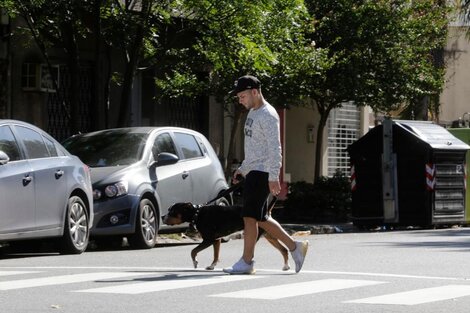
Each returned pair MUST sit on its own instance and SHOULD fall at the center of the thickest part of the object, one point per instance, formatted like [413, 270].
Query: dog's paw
[195, 263]
[286, 267]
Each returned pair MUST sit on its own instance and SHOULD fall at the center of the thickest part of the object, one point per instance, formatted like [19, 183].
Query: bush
[328, 200]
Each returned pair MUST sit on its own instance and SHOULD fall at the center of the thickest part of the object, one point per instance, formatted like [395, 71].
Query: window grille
[343, 130]
[182, 112]
[58, 123]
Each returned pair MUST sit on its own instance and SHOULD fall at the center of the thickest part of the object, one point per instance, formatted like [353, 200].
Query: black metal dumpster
[408, 173]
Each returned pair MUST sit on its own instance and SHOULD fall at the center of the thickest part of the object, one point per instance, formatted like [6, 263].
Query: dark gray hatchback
[139, 172]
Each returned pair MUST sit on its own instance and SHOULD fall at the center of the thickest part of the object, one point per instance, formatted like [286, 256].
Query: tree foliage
[231, 39]
[234, 38]
[463, 10]
[381, 54]
[383, 58]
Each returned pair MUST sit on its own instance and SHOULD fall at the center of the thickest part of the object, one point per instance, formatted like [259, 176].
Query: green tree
[234, 38]
[128, 26]
[463, 10]
[380, 55]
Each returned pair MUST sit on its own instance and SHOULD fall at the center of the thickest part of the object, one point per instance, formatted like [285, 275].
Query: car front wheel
[76, 231]
[146, 229]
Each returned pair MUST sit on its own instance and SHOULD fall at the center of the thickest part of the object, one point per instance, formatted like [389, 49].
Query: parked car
[45, 192]
[139, 172]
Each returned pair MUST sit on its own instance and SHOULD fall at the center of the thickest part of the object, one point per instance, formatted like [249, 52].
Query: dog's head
[179, 213]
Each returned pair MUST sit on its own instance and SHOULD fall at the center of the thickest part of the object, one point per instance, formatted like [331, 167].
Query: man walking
[261, 168]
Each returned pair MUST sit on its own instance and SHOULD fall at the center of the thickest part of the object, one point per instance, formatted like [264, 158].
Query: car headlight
[96, 194]
[113, 190]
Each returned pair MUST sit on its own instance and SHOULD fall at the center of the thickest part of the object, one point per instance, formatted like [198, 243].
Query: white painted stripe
[167, 284]
[298, 289]
[64, 279]
[186, 269]
[9, 273]
[388, 275]
[419, 296]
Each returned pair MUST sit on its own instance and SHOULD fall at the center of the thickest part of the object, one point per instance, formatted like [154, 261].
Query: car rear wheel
[146, 228]
[76, 231]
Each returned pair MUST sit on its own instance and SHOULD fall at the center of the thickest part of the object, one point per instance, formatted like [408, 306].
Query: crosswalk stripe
[180, 281]
[167, 284]
[11, 273]
[298, 289]
[419, 296]
[64, 279]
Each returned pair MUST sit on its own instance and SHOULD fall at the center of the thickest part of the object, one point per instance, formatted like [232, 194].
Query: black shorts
[255, 196]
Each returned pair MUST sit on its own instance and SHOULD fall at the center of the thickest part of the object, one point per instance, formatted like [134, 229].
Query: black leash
[224, 193]
[236, 186]
[232, 188]
[272, 203]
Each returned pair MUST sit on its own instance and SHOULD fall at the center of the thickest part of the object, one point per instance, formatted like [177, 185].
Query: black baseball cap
[246, 82]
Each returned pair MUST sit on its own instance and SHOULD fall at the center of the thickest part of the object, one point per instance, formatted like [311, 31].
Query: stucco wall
[299, 154]
[455, 98]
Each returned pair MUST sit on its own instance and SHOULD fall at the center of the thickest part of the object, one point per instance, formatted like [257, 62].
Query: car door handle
[59, 174]
[27, 179]
[185, 175]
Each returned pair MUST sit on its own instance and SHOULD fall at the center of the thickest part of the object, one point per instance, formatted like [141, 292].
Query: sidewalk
[292, 228]
[319, 228]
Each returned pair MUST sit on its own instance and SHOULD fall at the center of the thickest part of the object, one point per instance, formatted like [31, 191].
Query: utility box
[408, 173]
[464, 135]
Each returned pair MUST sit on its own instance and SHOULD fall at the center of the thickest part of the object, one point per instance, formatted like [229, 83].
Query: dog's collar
[195, 217]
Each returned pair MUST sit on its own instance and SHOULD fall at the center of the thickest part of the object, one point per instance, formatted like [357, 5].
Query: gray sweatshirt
[262, 142]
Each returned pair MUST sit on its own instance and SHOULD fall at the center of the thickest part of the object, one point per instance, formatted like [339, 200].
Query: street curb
[292, 229]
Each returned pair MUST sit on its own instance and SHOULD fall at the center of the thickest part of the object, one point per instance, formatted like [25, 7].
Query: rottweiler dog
[214, 222]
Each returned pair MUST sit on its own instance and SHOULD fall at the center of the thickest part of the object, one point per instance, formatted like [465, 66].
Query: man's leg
[298, 249]
[272, 227]
[254, 196]
[246, 264]
[250, 234]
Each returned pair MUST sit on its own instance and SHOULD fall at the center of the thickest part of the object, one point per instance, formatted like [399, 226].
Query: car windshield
[108, 148]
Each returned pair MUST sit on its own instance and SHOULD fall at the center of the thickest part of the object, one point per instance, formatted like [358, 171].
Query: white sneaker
[299, 253]
[241, 267]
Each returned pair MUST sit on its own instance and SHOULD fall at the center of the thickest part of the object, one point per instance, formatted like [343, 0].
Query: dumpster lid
[436, 136]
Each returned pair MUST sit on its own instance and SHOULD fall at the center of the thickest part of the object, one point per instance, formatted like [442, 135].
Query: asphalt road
[398, 271]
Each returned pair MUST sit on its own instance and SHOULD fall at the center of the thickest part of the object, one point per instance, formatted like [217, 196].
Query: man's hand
[236, 177]
[274, 187]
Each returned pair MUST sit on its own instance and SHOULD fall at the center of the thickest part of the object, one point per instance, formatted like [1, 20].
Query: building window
[343, 130]
[38, 77]
[29, 76]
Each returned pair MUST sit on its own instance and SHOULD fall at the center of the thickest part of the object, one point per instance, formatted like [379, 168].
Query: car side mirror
[4, 159]
[166, 158]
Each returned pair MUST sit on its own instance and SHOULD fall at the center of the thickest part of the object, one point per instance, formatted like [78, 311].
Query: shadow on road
[449, 239]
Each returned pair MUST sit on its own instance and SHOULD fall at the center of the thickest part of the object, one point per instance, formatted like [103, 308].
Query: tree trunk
[74, 72]
[238, 117]
[324, 111]
[131, 66]
[98, 106]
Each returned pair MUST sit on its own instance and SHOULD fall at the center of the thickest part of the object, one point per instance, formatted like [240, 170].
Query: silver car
[139, 172]
[45, 192]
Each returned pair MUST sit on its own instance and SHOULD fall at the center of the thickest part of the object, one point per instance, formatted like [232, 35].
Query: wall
[299, 155]
[456, 94]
